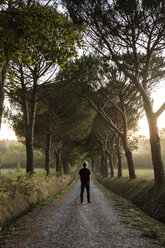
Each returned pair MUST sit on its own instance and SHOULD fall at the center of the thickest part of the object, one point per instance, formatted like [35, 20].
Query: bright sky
[158, 96]
[7, 133]
[159, 99]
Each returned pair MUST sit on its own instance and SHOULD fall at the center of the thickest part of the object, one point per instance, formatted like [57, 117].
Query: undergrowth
[20, 192]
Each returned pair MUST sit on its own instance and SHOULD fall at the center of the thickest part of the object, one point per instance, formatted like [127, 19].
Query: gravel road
[96, 225]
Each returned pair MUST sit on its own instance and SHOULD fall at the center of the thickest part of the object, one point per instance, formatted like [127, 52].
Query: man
[85, 181]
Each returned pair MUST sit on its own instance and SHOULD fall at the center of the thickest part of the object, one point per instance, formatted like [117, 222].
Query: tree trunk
[104, 164]
[155, 149]
[129, 157]
[128, 152]
[29, 154]
[29, 138]
[29, 109]
[97, 165]
[1, 98]
[119, 164]
[47, 154]
[66, 164]
[2, 93]
[110, 155]
[92, 163]
[111, 165]
[58, 162]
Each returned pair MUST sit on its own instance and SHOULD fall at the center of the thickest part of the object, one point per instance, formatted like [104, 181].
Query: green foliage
[27, 27]
[5, 184]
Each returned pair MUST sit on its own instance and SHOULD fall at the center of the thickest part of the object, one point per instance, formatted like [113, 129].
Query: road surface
[75, 225]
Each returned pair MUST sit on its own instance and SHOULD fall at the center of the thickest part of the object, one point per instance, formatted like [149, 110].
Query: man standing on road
[85, 182]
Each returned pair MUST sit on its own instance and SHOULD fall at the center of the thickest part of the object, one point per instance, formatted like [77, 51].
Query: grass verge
[21, 225]
[135, 217]
[142, 192]
[21, 193]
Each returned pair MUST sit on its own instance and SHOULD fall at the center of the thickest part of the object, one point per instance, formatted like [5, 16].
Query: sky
[159, 99]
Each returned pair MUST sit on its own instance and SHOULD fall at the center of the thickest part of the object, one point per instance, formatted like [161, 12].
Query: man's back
[84, 175]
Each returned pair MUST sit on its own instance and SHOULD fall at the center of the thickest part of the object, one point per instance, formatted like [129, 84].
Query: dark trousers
[85, 185]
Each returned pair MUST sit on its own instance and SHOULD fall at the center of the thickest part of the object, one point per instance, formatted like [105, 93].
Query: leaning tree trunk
[119, 164]
[129, 158]
[155, 148]
[110, 156]
[154, 135]
[104, 164]
[47, 154]
[128, 152]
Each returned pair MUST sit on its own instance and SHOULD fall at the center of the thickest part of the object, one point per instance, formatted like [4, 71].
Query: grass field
[38, 172]
[140, 173]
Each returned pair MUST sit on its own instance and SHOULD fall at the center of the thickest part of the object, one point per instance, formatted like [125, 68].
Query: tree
[19, 20]
[64, 118]
[111, 96]
[53, 42]
[133, 27]
[75, 120]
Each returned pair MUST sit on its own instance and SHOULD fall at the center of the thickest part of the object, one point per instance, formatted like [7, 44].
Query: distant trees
[12, 153]
[137, 29]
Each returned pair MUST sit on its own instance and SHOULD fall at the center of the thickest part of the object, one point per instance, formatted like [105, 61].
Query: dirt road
[96, 225]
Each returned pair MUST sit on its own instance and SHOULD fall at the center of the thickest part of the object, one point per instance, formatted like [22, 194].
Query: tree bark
[129, 157]
[58, 161]
[29, 137]
[29, 154]
[66, 164]
[155, 145]
[2, 91]
[110, 155]
[29, 109]
[104, 164]
[1, 98]
[128, 152]
[97, 165]
[92, 163]
[47, 154]
[119, 164]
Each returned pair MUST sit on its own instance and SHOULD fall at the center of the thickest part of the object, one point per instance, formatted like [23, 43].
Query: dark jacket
[84, 175]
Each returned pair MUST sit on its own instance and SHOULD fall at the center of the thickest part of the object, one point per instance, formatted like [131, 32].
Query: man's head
[84, 164]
